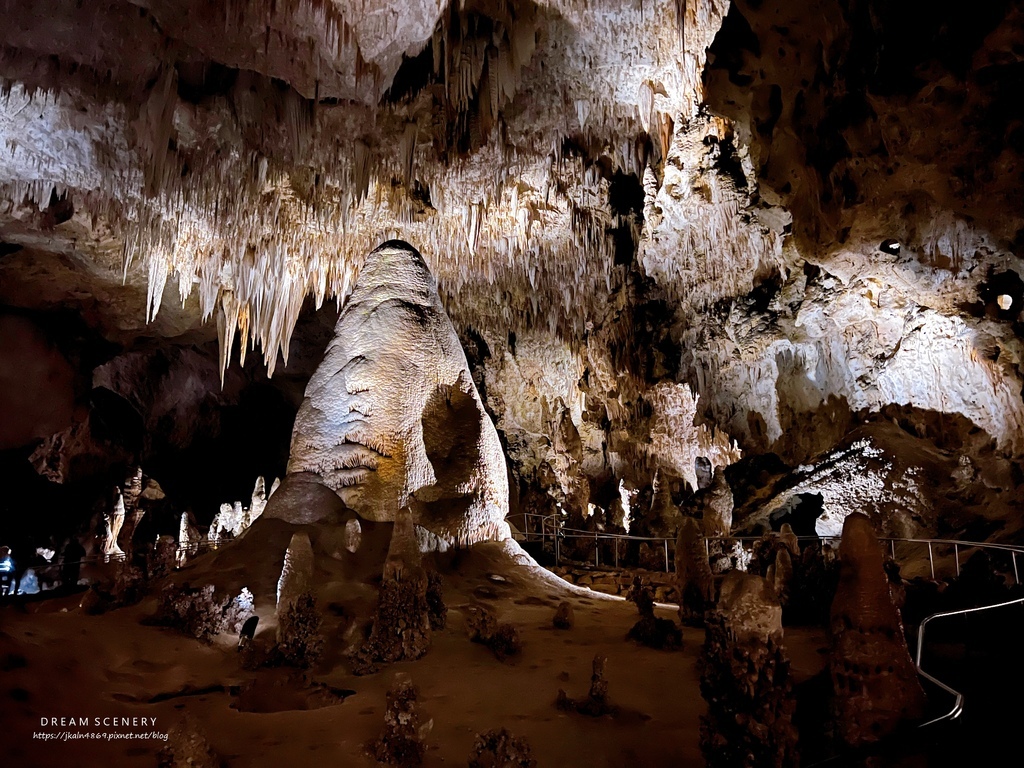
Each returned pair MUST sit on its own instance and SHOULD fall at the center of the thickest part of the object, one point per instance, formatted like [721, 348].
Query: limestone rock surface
[393, 413]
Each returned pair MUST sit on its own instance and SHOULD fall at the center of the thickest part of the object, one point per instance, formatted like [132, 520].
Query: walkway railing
[958, 704]
[547, 528]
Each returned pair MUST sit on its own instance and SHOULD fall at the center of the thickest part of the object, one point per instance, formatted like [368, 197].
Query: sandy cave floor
[67, 664]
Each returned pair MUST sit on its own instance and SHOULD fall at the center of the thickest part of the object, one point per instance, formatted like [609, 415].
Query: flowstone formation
[745, 679]
[874, 682]
[392, 413]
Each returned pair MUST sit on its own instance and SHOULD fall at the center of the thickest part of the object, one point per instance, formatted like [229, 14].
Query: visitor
[8, 573]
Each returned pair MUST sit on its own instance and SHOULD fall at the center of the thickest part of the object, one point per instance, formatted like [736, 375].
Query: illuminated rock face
[392, 411]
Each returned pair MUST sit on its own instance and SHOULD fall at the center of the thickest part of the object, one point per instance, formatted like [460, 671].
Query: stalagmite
[745, 678]
[392, 412]
[401, 740]
[716, 504]
[874, 682]
[114, 521]
[296, 577]
[188, 539]
[693, 573]
[401, 627]
[133, 512]
[258, 502]
[353, 535]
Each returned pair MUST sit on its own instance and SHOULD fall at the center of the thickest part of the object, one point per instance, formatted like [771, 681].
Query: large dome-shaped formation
[392, 417]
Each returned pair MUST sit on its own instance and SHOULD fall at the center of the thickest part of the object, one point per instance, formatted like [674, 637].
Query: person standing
[8, 573]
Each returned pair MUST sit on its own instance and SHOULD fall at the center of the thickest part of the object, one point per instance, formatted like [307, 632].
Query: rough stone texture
[564, 618]
[745, 678]
[751, 609]
[677, 441]
[693, 573]
[787, 219]
[134, 513]
[874, 682]
[437, 609]
[869, 472]
[650, 630]
[402, 622]
[619, 581]
[503, 639]
[716, 504]
[401, 740]
[299, 640]
[780, 575]
[500, 749]
[392, 411]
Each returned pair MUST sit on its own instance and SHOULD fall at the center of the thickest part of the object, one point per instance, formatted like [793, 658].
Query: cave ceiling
[779, 206]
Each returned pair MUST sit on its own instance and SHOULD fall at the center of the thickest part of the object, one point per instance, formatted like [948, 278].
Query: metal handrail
[558, 532]
[959, 697]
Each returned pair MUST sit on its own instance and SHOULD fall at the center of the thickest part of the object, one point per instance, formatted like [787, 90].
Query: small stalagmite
[596, 703]
[115, 521]
[353, 535]
[874, 682]
[401, 740]
[401, 627]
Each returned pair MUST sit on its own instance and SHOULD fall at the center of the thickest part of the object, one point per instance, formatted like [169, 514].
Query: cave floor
[67, 664]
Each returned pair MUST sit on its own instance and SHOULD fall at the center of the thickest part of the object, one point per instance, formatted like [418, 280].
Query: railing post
[956, 554]
[1016, 576]
[931, 560]
[616, 540]
[556, 544]
[892, 548]
[665, 542]
[597, 551]
[707, 546]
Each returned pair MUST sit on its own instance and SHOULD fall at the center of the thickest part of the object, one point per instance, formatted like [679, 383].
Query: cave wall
[667, 234]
